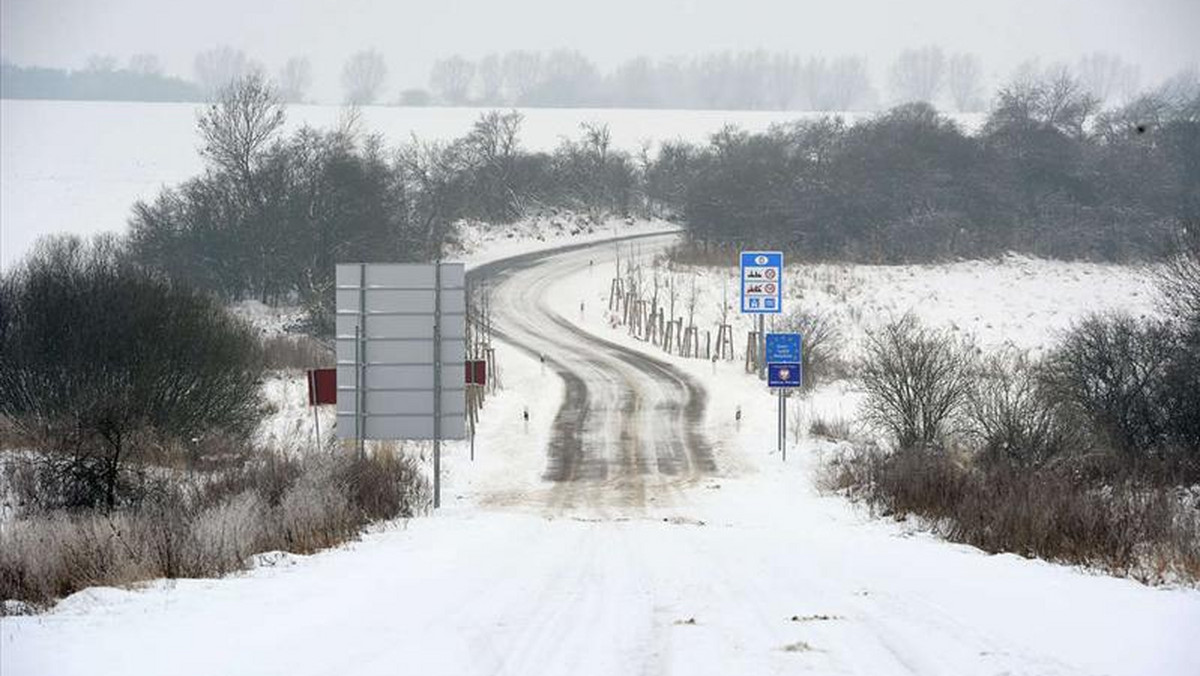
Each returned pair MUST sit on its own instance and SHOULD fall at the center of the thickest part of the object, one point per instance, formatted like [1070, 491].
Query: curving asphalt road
[627, 420]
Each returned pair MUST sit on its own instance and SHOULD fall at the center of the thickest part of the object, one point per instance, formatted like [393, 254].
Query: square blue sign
[762, 282]
[783, 348]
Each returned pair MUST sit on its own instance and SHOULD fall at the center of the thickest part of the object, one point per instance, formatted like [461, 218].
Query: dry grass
[833, 427]
[207, 525]
[1123, 525]
[297, 352]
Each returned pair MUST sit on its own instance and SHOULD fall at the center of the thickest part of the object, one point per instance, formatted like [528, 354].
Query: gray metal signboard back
[387, 363]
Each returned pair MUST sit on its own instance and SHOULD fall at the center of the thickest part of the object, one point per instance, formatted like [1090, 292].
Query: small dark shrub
[96, 352]
[1106, 374]
[1010, 415]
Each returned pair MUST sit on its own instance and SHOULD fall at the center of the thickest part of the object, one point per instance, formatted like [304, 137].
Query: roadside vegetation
[1089, 456]
[128, 394]
[127, 403]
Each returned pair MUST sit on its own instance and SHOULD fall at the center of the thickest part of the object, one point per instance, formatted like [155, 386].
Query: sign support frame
[437, 370]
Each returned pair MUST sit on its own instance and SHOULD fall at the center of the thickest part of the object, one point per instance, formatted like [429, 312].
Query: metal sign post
[784, 373]
[782, 427]
[437, 384]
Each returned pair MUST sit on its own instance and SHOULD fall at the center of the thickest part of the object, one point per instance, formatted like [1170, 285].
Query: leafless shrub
[1009, 415]
[916, 379]
[1179, 279]
[830, 428]
[315, 512]
[821, 338]
[295, 353]
[1107, 373]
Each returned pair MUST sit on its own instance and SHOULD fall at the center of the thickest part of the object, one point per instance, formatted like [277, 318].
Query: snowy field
[748, 571]
[79, 166]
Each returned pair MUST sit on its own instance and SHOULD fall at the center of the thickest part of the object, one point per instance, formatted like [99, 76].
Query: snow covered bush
[821, 334]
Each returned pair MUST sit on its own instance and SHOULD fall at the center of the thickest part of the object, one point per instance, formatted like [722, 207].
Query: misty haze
[533, 337]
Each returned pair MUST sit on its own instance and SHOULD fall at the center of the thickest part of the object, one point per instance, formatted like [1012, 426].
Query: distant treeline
[730, 80]
[1046, 175]
[94, 84]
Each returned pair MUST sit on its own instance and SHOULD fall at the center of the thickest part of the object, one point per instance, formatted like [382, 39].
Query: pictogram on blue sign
[762, 282]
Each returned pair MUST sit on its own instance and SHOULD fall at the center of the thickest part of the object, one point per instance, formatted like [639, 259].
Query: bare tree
[917, 75]
[963, 80]
[451, 79]
[145, 64]
[434, 173]
[491, 79]
[843, 84]
[1066, 104]
[522, 72]
[1107, 77]
[633, 83]
[784, 79]
[237, 128]
[295, 77]
[1052, 96]
[101, 63]
[216, 68]
[1182, 90]
[363, 76]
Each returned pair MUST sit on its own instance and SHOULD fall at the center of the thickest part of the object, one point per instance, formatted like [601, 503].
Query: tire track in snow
[627, 419]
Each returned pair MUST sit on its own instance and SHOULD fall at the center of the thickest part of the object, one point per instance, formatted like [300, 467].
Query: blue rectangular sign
[762, 282]
[783, 348]
[784, 375]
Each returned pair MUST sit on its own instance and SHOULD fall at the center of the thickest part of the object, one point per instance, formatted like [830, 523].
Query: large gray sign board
[385, 350]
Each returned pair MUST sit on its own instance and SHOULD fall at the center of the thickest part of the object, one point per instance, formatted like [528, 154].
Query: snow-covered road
[632, 567]
[629, 423]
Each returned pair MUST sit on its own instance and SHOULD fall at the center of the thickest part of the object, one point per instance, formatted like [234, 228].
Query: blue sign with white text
[783, 375]
[783, 348]
[762, 282]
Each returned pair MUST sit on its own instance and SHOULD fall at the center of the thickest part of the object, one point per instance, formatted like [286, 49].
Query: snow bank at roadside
[480, 243]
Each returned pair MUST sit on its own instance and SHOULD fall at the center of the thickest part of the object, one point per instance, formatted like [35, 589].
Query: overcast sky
[1160, 35]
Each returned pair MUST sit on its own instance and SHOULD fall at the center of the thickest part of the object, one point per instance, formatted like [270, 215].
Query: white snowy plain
[749, 571]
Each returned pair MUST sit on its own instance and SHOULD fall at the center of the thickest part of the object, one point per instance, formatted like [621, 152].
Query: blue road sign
[783, 348]
[784, 375]
[762, 282]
